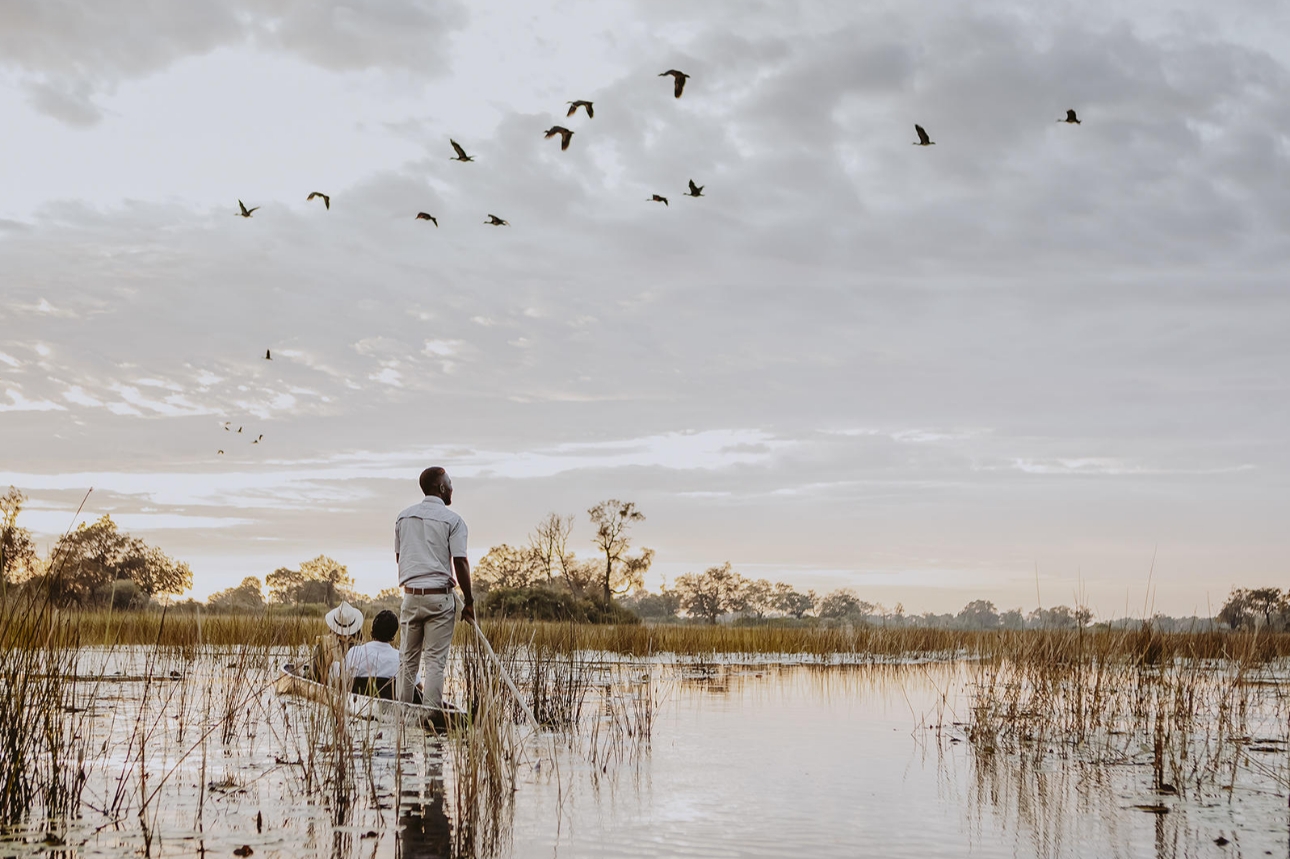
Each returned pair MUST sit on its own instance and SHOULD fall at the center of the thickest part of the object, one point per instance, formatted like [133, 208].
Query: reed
[874, 643]
[41, 756]
[1184, 707]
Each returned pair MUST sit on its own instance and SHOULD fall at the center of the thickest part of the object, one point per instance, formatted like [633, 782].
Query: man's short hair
[431, 479]
[385, 625]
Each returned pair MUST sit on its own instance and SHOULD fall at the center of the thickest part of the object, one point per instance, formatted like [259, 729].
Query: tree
[508, 567]
[246, 597]
[716, 591]
[549, 544]
[1268, 602]
[978, 614]
[320, 581]
[1236, 611]
[158, 573]
[660, 606]
[839, 604]
[622, 572]
[18, 558]
[1058, 617]
[788, 601]
[583, 577]
[1012, 619]
[85, 563]
[759, 598]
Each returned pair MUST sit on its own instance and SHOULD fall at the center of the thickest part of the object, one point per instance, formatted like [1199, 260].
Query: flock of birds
[566, 135]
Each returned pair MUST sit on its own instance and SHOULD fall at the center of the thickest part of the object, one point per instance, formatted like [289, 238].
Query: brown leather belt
[420, 592]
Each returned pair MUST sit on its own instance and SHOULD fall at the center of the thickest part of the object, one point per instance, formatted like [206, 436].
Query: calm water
[749, 761]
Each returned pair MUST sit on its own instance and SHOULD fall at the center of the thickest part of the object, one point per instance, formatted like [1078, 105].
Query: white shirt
[427, 536]
[373, 659]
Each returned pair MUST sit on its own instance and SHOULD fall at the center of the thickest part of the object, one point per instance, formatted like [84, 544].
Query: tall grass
[1187, 707]
[41, 756]
[98, 627]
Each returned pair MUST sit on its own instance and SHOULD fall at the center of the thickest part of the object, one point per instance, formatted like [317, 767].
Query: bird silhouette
[658, 198]
[565, 135]
[219, 452]
[923, 139]
[585, 105]
[494, 221]
[245, 213]
[326, 200]
[1071, 118]
[695, 190]
[239, 429]
[226, 426]
[678, 81]
[257, 441]
[461, 153]
[426, 216]
[268, 355]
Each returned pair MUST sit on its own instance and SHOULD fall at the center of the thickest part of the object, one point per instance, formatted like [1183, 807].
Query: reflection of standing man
[430, 547]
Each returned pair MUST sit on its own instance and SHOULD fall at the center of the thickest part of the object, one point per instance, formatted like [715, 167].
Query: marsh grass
[1186, 709]
[174, 630]
[194, 698]
[41, 758]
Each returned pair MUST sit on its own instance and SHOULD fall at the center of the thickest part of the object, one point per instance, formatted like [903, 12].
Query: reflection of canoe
[366, 706]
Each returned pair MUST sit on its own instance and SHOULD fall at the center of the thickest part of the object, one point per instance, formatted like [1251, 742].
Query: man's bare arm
[461, 567]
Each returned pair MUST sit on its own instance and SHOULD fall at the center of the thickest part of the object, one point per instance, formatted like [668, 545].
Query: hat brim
[339, 628]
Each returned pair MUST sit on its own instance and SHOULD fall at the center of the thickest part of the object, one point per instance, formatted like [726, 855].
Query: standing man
[430, 547]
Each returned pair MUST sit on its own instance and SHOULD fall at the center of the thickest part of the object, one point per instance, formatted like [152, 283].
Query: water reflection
[749, 759]
[425, 832]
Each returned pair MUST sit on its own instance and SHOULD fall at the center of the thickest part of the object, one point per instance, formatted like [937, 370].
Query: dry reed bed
[1199, 713]
[104, 628]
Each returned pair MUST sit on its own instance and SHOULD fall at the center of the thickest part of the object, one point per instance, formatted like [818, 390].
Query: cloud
[1107, 299]
[19, 403]
[70, 52]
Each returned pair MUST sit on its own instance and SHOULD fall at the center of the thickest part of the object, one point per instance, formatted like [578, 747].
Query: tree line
[98, 565]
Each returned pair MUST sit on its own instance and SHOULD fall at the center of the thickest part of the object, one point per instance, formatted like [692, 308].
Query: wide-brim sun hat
[344, 619]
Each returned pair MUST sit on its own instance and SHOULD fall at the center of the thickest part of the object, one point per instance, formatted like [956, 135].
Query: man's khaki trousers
[425, 623]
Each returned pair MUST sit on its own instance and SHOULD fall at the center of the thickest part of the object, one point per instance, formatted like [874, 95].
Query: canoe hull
[365, 707]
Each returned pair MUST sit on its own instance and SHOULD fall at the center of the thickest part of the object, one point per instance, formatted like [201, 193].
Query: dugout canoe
[367, 707]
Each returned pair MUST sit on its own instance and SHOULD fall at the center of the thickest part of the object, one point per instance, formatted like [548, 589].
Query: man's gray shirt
[427, 536]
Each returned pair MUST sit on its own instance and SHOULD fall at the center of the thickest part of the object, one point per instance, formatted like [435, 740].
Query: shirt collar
[432, 499]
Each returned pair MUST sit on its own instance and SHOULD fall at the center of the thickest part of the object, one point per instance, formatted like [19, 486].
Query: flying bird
[257, 441]
[268, 355]
[461, 153]
[219, 452]
[245, 213]
[1071, 118]
[426, 216]
[326, 200]
[695, 190]
[658, 198]
[585, 105]
[226, 426]
[494, 221]
[565, 135]
[239, 429]
[923, 139]
[678, 81]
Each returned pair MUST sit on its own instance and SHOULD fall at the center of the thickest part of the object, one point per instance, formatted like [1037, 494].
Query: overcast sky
[1032, 356]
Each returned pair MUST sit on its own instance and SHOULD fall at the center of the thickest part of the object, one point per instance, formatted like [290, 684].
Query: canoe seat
[379, 687]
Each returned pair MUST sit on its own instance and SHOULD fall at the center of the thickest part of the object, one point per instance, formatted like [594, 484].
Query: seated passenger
[374, 665]
[346, 624]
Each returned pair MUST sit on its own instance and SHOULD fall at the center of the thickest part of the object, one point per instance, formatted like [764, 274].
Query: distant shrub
[541, 603]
